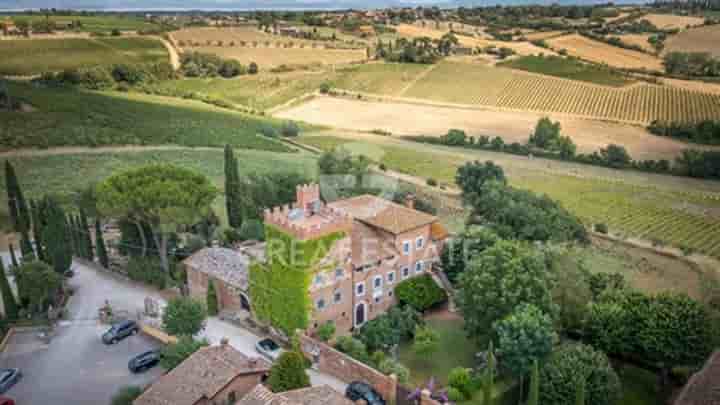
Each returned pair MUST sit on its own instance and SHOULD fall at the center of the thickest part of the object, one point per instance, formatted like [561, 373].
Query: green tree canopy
[175, 353]
[458, 252]
[559, 377]
[288, 373]
[524, 336]
[472, 176]
[184, 316]
[126, 395]
[38, 285]
[503, 277]
[164, 196]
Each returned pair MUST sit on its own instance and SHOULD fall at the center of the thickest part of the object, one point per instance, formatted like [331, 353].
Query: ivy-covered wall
[279, 287]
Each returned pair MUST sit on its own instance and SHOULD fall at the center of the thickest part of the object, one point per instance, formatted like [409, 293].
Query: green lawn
[24, 57]
[68, 117]
[568, 69]
[64, 174]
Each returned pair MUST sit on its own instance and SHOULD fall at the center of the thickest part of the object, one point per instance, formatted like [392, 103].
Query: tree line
[546, 141]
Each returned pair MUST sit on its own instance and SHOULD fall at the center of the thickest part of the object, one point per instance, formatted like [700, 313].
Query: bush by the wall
[326, 331]
[290, 129]
[147, 270]
[420, 293]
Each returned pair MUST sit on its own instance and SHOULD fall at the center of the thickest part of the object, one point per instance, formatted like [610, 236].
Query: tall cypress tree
[232, 188]
[489, 380]
[37, 224]
[57, 237]
[100, 245]
[13, 258]
[71, 229]
[85, 235]
[534, 394]
[9, 303]
[19, 213]
[580, 391]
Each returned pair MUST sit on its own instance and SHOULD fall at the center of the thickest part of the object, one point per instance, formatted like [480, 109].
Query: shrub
[389, 366]
[383, 167]
[420, 293]
[231, 68]
[353, 348]
[96, 78]
[212, 299]
[288, 373]
[325, 88]
[268, 131]
[460, 380]
[290, 129]
[455, 395]
[184, 316]
[253, 68]
[431, 182]
[326, 331]
[251, 229]
[147, 270]
[601, 228]
[126, 395]
[174, 354]
[559, 375]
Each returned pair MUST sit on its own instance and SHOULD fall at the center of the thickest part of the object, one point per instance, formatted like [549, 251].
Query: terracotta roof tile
[317, 395]
[384, 214]
[227, 265]
[202, 375]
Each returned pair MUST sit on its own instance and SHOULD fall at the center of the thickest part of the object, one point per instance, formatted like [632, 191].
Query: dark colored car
[6, 401]
[268, 348]
[120, 331]
[144, 361]
[359, 390]
[8, 378]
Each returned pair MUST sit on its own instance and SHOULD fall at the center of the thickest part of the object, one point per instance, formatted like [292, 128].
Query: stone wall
[330, 361]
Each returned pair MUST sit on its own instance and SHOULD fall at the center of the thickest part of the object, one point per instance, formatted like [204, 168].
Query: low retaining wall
[157, 334]
[330, 361]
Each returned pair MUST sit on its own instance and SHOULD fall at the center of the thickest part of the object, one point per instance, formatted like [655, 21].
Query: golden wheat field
[669, 21]
[703, 39]
[599, 52]
[639, 103]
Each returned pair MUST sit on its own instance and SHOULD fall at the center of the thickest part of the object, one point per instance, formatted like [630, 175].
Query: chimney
[410, 201]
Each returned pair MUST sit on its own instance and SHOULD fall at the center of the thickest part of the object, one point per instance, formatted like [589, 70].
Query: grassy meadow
[567, 68]
[68, 117]
[63, 174]
[668, 210]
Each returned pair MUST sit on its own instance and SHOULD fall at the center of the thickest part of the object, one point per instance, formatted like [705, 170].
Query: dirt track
[414, 119]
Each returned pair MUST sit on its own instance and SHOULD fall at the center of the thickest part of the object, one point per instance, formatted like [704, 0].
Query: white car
[268, 348]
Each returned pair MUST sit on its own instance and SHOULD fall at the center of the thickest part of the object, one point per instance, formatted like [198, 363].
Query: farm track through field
[416, 79]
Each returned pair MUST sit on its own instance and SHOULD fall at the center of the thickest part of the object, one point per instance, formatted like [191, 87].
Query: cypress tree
[82, 251]
[232, 188]
[100, 246]
[580, 391]
[26, 248]
[212, 300]
[489, 383]
[57, 237]
[534, 394]
[17, 206]
[85, 235]
[13, 258]
[9, 303]
[37, 224]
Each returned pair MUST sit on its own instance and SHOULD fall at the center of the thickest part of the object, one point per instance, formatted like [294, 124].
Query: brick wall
[330, 361]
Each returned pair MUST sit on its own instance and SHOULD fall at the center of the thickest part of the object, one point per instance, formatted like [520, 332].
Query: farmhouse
[317, 395]
[216, 374]
[371, 245]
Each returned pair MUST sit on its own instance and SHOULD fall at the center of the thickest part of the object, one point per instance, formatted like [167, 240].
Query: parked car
[120, 331]
[268, 348]
[144, 361]
[6, 401]
[8, 378]
[357, 390]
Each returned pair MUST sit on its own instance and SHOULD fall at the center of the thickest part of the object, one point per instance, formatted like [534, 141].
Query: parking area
[76, 367]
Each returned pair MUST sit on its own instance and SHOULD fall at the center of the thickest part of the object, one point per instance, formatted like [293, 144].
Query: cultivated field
[415, 119]
[246, 44]
[104, 23]
[599, 52]
[505, 88]
[31, 57]
[640, 40]
[669, 21]
[259, 92]
[67, 117]
[541, 35]
[522, 48]
[703, 39]
[671, 210]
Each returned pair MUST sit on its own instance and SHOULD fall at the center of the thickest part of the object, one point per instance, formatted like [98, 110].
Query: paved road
[76, 368]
